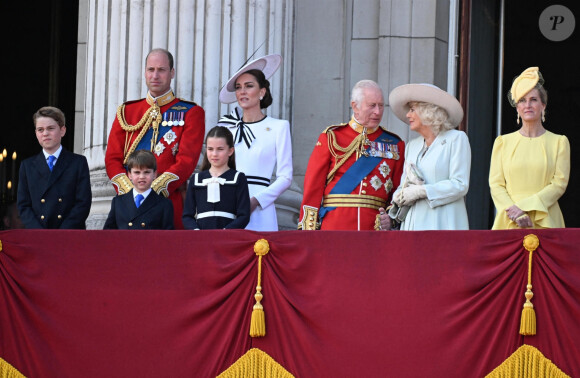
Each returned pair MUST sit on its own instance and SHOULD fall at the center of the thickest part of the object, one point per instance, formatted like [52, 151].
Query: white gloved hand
[414, 175]
[398, 197]
[411, 194]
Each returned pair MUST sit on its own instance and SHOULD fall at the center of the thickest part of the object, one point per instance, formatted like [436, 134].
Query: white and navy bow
[243, 131]
[213, 188]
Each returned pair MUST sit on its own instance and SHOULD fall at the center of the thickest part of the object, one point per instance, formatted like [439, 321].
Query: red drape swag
[337, 304]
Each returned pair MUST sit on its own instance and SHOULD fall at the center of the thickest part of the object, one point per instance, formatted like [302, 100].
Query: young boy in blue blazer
[141, 208]
[54, 187]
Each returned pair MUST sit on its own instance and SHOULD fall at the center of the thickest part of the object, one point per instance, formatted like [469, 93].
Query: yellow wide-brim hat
[524, 83]
[268, 64]
[400, 97]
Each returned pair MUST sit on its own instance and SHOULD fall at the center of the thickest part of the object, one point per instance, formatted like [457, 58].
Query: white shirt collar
[145, 193]
[56, 154]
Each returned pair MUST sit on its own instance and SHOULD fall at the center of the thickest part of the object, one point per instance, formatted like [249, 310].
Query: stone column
[210, 40]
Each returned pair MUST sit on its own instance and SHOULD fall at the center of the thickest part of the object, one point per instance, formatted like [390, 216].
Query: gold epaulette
[334, 126]
[161, 183]
[122, 182]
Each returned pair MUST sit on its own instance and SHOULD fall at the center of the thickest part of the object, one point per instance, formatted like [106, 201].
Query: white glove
[398, 197]
[411, 194]
[414, 175]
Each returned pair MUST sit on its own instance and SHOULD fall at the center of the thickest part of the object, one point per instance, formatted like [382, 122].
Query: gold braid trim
[161, 183]
[527, 361]
[145, 120]
[256, 363]
[151, 117]
[122, 182]
[353, 200]
[343, 153]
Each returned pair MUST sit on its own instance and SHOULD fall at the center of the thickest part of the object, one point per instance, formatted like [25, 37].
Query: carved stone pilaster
[103, 193]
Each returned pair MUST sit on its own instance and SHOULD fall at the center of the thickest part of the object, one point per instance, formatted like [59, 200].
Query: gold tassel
[528, 320]
[258, 321]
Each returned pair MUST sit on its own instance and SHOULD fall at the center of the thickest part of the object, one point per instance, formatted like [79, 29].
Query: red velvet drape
[337, 304]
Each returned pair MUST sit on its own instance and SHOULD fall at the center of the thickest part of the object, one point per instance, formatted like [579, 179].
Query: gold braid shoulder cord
[357, 145]
[151, 116]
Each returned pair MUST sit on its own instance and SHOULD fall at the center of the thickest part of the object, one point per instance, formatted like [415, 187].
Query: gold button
[130, 224]
[43, 200]
[364, 192]
[364, 184]
[142, 224]
[60, 200]
[42, 217]
[59, 216]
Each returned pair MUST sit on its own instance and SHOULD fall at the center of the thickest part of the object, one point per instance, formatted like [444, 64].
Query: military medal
[170, 123]
[181, 121]
[164, 123]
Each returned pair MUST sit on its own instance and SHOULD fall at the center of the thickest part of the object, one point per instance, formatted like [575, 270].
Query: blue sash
[357, 172]
[172, 113]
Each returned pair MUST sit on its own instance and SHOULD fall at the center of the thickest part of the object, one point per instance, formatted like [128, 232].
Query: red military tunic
[358, 209]
[177, 151]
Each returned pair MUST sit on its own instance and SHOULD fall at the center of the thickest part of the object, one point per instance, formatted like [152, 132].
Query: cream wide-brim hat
[400, 97]
[267, 64]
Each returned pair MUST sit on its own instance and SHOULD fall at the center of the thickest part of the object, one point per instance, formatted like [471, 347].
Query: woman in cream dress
[530, 167]
[262, 143]
[437, 163]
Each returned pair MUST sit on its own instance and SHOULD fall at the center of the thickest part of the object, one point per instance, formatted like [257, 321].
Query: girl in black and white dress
[217, 197]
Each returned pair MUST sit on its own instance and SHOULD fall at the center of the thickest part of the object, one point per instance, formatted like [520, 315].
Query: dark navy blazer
[58, 199]
[155, 213]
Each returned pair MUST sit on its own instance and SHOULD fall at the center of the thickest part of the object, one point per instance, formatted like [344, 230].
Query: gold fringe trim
[258, 321]
[527, 362]
[9, 371]
[0, 245]
[255, 363]
[528, 319]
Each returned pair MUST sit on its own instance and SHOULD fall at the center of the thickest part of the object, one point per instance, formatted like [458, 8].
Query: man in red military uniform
[353, 169]
[170, 127]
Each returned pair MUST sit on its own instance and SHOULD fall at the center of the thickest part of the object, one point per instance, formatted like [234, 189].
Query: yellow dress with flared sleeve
[531, 173]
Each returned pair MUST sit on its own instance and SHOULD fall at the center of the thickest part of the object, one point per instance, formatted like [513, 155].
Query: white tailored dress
[445, 167]
[260, 147]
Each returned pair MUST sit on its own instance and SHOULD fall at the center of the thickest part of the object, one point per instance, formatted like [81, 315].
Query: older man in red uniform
[353, 169]
[170, 127]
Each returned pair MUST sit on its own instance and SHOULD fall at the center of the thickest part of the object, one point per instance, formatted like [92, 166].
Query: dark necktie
[51, 160]
[138, 200]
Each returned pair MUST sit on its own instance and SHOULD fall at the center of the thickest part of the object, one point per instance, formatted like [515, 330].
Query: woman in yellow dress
[530, 167]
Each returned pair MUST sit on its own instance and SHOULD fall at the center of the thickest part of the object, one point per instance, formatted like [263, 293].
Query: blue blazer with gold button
[58, 199]
[155, 213]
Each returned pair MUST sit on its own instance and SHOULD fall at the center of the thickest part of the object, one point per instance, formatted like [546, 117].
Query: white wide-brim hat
[400, 97]
[267, 64]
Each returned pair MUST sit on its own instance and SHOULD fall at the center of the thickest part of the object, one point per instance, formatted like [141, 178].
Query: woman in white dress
[262, 143]
[437, 163]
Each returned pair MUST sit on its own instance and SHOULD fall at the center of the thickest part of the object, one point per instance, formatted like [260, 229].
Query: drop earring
[518, 119]
[543, 116]
[261, 98]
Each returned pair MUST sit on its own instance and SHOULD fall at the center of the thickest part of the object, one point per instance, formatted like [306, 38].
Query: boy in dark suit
[54, 187]
[141, 208]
